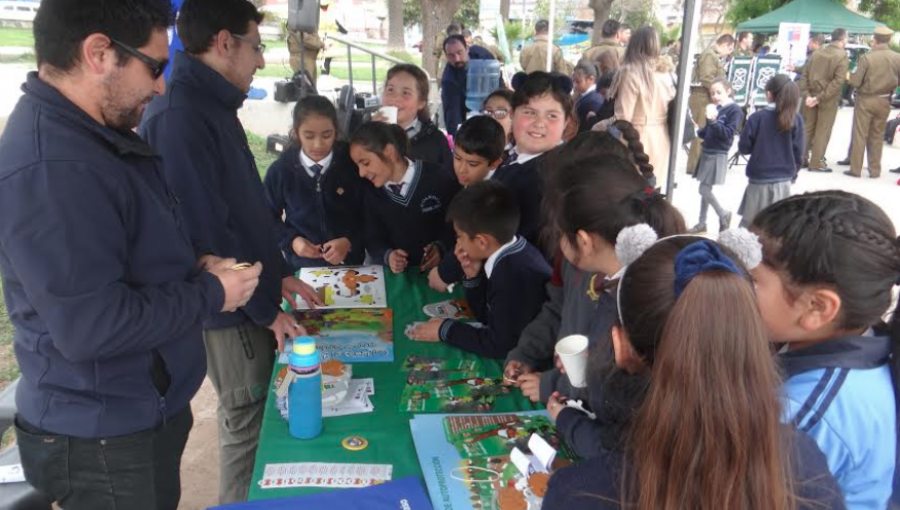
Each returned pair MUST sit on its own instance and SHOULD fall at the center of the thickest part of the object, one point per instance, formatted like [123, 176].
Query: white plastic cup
[389, 113]
[711, 111]
[573, 352]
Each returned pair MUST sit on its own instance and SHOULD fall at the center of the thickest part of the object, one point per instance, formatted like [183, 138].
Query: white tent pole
[689, 35]
[550, 46]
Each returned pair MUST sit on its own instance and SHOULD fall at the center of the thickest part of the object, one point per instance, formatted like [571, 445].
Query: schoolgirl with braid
[830, 263]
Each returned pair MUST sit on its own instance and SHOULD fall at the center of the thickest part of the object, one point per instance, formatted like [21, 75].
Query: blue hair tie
[698, 258]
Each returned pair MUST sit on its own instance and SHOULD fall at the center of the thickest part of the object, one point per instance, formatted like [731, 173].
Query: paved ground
[200, 464]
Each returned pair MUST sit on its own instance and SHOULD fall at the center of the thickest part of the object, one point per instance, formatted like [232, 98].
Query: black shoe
[844, 162]
[824, 170]
[851, 174]
[895, 170]
[805, 164]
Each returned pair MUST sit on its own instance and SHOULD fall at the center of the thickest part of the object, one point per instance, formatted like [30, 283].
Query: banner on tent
[740, 75]
[766, 68]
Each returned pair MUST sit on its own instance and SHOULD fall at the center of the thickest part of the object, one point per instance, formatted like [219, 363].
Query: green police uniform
[312, 44]
[875, 79]
[708, 69]
[823, 77]
[592, 53]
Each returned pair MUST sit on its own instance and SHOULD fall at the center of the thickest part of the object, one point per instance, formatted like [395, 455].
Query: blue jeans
[137, 471]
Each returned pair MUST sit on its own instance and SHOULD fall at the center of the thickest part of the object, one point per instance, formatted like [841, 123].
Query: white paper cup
[711, 111]
[573, 352]
[390, 114]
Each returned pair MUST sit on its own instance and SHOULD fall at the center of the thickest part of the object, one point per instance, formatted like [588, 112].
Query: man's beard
[121, 109]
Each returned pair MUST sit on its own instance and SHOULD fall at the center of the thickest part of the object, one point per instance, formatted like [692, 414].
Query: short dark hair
[466, 33]
[818, 39]
[542, 25]
[483, 136]
[486, 207]
[587, 69]
[838, 34]
[539, 83]
[454, 28]
[742, 35]
[307, 107]
[725, 39]
[61, 26]
[200, 20]
[623, 27]
[610, 28]
[456, 37]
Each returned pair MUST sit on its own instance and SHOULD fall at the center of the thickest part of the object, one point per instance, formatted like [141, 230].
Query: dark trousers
[134, 472]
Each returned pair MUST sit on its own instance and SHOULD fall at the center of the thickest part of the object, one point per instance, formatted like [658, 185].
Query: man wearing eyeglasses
[100, 277]
[207, 160]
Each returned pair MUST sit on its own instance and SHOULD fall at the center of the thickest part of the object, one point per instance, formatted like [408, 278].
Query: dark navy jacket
[504, 303]
[431, 146]
[317, 211]
[718, 136]
[453, 90]
[99, 274]
[774, 156]
[595, 484]
[589, 103]
[208, 162]
[413, 222]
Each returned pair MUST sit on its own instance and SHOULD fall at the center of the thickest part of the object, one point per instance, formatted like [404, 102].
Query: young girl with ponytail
[706, 429]
[830, 263]
[773, 137]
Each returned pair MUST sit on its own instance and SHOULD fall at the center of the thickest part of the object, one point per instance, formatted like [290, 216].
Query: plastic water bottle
[305, 393]
[483, 78]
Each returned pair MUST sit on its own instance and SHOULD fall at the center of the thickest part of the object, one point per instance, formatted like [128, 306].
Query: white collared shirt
[592, 88]
[490, 174]
[407, 179]
[523, 158]
[413, 128]
[308, 163]
[492, 260]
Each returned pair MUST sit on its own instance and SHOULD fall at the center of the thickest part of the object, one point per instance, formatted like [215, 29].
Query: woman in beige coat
[643, 91]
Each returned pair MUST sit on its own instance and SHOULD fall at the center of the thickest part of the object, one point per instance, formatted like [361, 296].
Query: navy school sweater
[99, 274]
[504, 303]
[317, 211]
[528, 187]
[207, 161]
[589, 103]
[775, 156]
[431, 146]
[412, 222]
[596, 483]
[718, 135]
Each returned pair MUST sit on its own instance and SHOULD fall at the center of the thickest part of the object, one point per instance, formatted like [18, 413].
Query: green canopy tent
[822, 15]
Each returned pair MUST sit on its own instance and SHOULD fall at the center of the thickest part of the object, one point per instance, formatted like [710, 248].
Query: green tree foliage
[885, 11]
[467, 14]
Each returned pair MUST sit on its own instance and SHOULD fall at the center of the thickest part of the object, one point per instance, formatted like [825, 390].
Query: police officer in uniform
[745, 45]
[708, 69]
[875, 79]
[610, 40]
[823, 77]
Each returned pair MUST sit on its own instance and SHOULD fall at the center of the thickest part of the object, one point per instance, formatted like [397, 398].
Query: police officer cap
[883, 31]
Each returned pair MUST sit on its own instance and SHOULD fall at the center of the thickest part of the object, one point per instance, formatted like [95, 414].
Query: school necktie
[511, 158]
[396, 189]
[316, 170]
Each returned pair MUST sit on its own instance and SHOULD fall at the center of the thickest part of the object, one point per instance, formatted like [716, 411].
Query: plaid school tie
[316, 170]
[510, 158]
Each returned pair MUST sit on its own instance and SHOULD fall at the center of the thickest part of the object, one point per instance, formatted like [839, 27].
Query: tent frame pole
[689, 42]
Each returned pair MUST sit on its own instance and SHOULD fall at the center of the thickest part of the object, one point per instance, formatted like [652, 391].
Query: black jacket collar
[194, 73]
[848, 352]
[122, 142]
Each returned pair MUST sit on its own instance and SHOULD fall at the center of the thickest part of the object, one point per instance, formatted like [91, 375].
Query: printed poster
[346, 287]
[351, 335]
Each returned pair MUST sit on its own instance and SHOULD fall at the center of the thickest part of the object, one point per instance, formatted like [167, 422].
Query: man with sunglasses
[100, 277]
[207, 160]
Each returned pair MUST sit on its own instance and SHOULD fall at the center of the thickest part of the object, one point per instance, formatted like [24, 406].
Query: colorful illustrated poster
[469, 394]
[352, 335]
[346, 287]
[465, 459]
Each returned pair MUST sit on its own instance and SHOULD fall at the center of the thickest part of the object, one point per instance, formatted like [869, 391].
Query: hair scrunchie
[697, 258]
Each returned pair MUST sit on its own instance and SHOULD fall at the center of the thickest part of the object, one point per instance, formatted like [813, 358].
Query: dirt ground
[200, 463]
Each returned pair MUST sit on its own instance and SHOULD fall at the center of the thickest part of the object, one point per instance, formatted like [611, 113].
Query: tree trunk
[396, 40]
[601, 9]
[436, 15]
[504, 10]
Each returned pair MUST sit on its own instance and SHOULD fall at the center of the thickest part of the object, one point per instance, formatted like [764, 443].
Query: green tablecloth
[387, 429]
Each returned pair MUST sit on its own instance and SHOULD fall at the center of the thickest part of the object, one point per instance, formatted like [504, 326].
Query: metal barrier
[374, 54]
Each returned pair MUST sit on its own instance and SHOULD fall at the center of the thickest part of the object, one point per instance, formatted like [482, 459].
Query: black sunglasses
[157, 68]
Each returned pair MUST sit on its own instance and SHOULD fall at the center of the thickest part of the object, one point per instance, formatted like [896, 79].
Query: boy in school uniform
[505, 276]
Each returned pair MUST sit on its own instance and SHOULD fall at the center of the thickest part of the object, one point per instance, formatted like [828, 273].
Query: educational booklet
[470, 394]
[346, 287]
[466, 459]
[355, 335]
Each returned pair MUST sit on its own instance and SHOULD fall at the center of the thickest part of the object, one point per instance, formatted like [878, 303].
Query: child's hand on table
[555, 405]
[514, 369]
[530, 384]
[335, 251]
[427, 331]
[304, 248]
[435, 282]
[398, 260]
[431, 258]
[291, 286]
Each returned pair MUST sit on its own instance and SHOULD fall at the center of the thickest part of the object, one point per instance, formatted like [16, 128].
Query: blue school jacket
[317, 211]
[841, 393]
